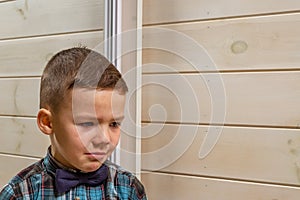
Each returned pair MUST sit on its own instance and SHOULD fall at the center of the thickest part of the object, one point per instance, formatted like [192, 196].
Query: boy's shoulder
[124, 180]
[27, 173]
[117, 170]
[27, 177]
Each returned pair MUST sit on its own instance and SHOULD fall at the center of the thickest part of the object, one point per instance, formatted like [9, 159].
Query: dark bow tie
[65, 180]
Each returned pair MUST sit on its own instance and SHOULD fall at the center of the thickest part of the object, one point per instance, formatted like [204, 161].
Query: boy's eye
[115, 124]
[86, 124]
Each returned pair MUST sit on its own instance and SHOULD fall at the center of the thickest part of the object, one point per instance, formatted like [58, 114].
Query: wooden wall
[32, 31]
[225, 72]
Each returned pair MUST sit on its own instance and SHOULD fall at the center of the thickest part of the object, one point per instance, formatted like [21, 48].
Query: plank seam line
[224, 71]
[19, 77]
[223, 18]
[49, 35]
[18, 155]
[220, 125]
[5, 1]
[17, 116]
[224, 178]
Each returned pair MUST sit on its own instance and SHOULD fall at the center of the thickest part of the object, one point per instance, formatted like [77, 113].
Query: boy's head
[77, 67]
[82, 99]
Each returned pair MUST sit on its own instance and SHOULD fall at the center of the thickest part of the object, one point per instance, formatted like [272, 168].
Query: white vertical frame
[112, 44]
[139, 84]
[113, 28]
[119, 19]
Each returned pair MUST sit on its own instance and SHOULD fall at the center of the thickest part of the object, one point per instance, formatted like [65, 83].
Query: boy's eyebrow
[120, 118]
[87, 116]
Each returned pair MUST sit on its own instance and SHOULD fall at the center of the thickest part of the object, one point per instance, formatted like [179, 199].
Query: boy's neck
[61, 165]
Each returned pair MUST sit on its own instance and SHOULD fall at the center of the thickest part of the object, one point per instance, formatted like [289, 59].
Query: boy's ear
[44, 121]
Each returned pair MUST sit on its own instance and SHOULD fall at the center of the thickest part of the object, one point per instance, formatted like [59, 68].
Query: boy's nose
[102, 135]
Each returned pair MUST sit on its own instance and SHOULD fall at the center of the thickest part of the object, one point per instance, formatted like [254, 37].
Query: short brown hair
[77, 67]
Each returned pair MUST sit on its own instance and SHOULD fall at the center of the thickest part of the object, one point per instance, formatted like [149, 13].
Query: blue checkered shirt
[37, 182]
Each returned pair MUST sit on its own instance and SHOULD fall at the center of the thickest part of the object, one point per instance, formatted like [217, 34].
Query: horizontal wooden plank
[166, 186]
[27, 57]
[256, 154]
[245, 98]
[25, 18]
[255, 99]
[19, 96]
[257, 43]
[18, 136]
[11, 165]
[155, 11]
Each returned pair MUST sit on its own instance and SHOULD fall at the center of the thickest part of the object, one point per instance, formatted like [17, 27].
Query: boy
[82, 98]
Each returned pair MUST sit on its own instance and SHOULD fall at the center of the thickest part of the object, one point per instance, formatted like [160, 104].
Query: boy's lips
[97, 155]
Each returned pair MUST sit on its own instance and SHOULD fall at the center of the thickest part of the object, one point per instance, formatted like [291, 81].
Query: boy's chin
[91, 167]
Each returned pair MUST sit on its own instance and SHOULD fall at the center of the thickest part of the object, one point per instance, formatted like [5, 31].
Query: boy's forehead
[88, 100]
[90, 95]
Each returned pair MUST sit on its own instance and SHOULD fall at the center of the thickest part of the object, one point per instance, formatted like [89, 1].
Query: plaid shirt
[37, 182]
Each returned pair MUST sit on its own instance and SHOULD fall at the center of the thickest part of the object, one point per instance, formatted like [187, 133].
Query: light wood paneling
[252, 44]
[25, 18]
[156, 11]
[263, 99]
[11, 165]
[33, 31]
[177, 187]
[28, 57]
[256, 43]
[21, 96]
[258, 154]
[21, 136]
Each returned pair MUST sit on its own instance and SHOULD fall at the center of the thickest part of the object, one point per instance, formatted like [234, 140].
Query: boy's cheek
[115, 140]
[85, 138]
